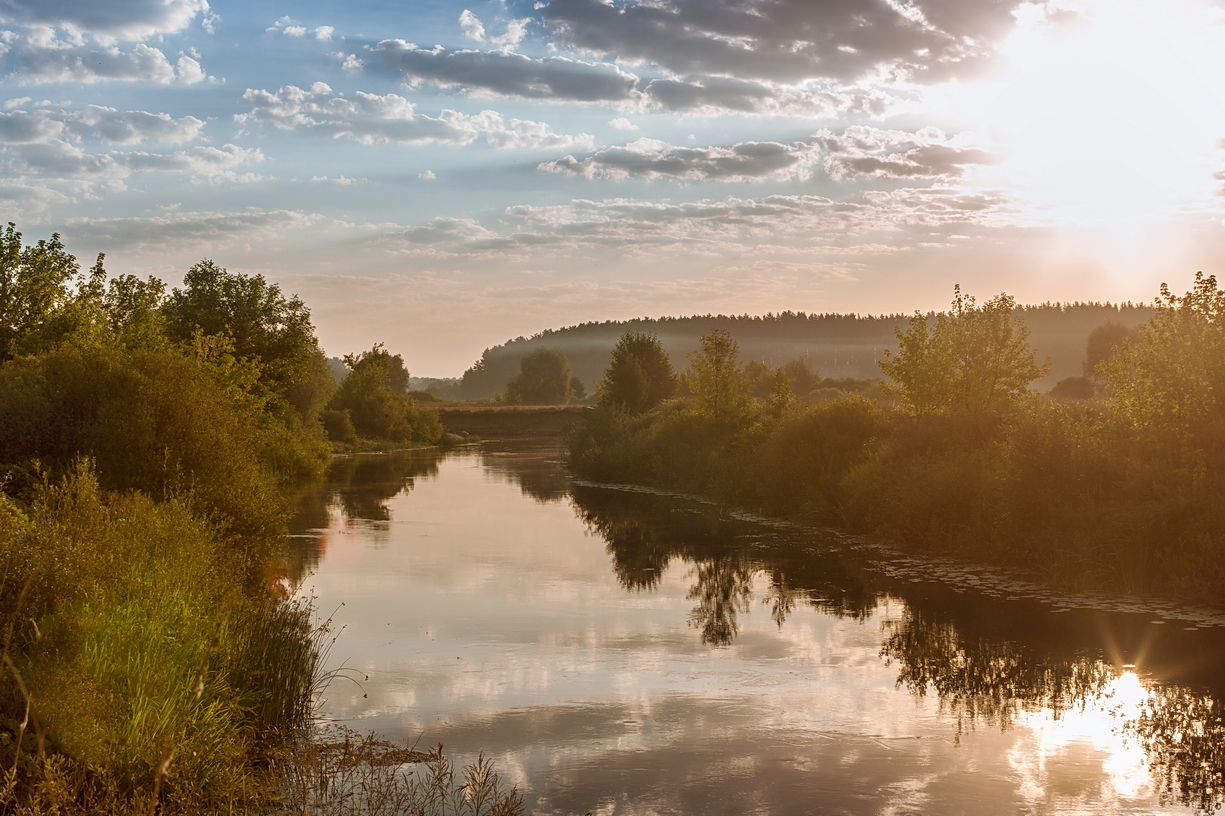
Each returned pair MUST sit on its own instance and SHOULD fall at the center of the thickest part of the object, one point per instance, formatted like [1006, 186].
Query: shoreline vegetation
[151, 659]
[1115, 488]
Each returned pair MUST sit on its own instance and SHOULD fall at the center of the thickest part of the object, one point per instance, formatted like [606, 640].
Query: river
[616, 651]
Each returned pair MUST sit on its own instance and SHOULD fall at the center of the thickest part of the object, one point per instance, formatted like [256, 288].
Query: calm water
[620, 652]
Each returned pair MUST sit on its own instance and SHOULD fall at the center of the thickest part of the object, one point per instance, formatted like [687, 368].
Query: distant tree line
[838, 345]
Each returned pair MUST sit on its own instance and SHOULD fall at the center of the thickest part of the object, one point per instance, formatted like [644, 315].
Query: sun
[1108, 114]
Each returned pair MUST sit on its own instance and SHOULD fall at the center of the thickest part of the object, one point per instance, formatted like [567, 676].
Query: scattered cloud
[516, 30]
[96, 122]
[712, 95]
[622, 124]
[427, 175]
[927, 153]
[131, 20]
[371, 118]
[471, 26]
[857, 151]
[509, 74]
[60, 158]
[180, 231]
[790, 40]
[649, 158]
[39, 62]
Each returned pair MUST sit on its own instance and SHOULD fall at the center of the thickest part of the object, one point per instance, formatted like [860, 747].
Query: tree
[543, 379]
[265, 326]
[374, 402]
[716, 379]
[33, 287]
[975, 360]
[1172, 373]
[1102, 342]
[639, 375]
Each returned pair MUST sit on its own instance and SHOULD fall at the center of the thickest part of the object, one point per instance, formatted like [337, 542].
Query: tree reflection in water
[360, 486]
[989, 667]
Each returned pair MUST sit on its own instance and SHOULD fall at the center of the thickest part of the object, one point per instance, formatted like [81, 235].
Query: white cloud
[352, 65]
[324, 33]
[516, 30]
[27, 196]
[371, 118]
[927, 153]
[61, 158]
[131, 20]
[623, 124]
[472, 27]
[61, 61]
[96, 122]
[294, 31]
[427, 175]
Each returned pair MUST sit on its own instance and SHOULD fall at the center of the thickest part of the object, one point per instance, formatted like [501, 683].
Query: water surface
[620, 652]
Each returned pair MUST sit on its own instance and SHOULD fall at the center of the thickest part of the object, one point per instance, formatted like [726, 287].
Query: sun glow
[1109, 115]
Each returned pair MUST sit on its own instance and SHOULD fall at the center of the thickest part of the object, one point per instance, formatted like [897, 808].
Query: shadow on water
[988, 661]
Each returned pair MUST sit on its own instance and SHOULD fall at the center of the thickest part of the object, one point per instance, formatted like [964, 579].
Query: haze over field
[442, 176]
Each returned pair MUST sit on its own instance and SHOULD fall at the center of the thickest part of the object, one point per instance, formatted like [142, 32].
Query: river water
[616, 651]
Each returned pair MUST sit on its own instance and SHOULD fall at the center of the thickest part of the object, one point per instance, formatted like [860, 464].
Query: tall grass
[138, 671]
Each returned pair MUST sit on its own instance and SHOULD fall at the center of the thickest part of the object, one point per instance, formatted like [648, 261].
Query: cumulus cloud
[857, 151]
[131, 20]
[61, 158]
[286, 26]
[371, 118]
[96, 122]
[472, 27]
[648, 158]
[442, 230]
[26, 196]
[179, 231]
[713, 95]
[621, 123]
[516, 30]
[790, 40]
[508, 74]
[61, 61]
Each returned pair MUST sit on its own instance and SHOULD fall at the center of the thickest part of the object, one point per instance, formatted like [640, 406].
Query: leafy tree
[543, 379]
[639, 375]
[265, 325]
[717, 380]
[373, 402]
[975, 360]
[133, 310]
[1173, 372]
[33, 287]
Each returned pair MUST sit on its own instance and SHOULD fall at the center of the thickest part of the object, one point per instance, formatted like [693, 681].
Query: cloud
[471, 26]
[96, 122]
[648, 158]
[509, 74]
[57, 157]
[441, 230]
[131, 20]
[59, 61]
[927, 153]
[713, 95]
[25, 196]
[622, 123]
[857, 151]
[371, 118]
[185, 231]
[516, 30]
[790, 40]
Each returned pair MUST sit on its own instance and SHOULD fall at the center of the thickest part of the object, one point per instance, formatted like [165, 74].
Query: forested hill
[835, 345]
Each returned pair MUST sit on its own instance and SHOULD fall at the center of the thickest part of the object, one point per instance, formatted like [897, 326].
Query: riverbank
[1067, 493]
[510, 421]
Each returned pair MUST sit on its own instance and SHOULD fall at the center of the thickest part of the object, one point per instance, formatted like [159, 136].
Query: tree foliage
[1172, 373]
[33, 287]
[976, 359]
[266, 326]
[372, 401]
[543, 379]
[717, 380]
[639, 375]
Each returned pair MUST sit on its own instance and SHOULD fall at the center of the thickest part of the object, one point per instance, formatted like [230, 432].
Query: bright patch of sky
[443, 176]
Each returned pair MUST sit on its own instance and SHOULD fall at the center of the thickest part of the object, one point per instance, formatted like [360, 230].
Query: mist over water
[625, 652]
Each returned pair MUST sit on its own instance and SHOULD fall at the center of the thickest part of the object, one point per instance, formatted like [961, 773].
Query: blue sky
[444, 176]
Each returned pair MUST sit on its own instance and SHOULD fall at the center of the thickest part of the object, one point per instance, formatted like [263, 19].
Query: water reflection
[987, 662]
[359, 487]
[516, 635]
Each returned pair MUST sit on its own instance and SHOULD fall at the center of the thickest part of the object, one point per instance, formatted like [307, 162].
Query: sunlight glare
[1110, 114]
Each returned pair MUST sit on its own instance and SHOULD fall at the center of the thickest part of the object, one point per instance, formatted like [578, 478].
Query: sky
[443, 176]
